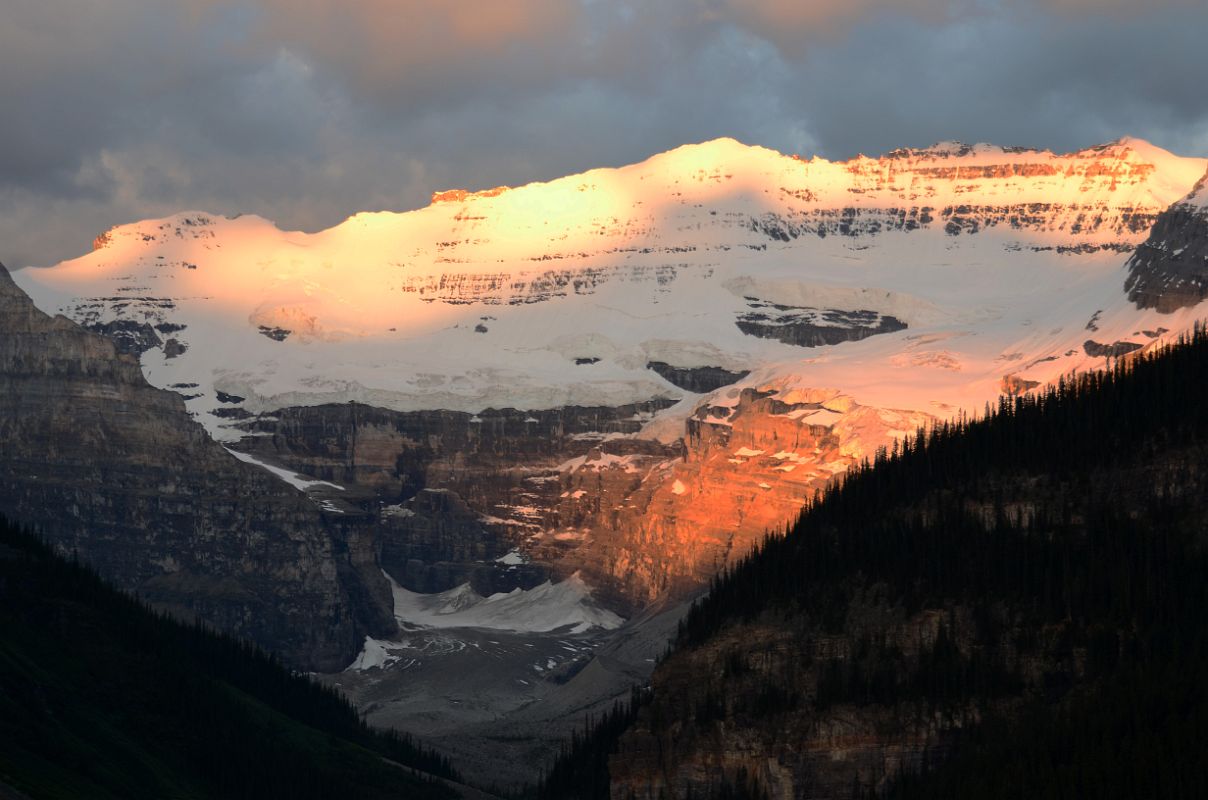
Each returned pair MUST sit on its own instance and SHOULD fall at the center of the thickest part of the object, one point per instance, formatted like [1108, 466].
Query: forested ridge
[101, 697]
[916, 516]
[1010, 606]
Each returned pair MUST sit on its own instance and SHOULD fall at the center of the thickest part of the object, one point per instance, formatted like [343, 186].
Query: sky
[307, 111]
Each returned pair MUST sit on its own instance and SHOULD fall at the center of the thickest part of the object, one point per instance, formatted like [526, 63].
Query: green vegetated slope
[1012, 607]
[102, 698]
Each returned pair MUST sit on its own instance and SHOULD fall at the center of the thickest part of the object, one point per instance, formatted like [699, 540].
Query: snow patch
[292, 478]
[376, 654]
[913, 310]
[824, 417]
[599, 461]
[513, 559]
[548, 607]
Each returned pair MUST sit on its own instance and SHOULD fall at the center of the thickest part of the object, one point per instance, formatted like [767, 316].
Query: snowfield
[564, 609]
[300, 482]
[566, 606]
[998, 261]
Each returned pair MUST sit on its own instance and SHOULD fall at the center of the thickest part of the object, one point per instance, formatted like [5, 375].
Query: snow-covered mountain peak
[689, 345]
[725, 171]
[720, 152]
[1132, 146]
[715, 252]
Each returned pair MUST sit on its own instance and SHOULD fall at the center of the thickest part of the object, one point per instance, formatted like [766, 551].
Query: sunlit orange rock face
[461, 195]
[666, 526]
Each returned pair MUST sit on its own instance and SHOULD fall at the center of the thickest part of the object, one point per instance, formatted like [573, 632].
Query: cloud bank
[306, 111]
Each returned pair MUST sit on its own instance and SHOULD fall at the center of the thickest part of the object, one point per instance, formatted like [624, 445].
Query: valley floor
[502, 704]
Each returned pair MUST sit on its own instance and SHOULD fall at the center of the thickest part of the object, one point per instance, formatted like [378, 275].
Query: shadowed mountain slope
[117, 471]
[102, 698]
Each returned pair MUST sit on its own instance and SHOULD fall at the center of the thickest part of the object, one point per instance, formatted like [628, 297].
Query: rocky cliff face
[575, 488]
[652, 525]
[108, 467]
[1169, 270]
[454, 492]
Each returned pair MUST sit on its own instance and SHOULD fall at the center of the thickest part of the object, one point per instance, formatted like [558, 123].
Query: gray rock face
[813, 327]
[1170, 270]
[456, 491]
[955, 219]
[135, 323]
[1109, 351]
[434, 542]
[640, 519]
[107, 466]
[401, 452]
[696, 379]
[132, 338]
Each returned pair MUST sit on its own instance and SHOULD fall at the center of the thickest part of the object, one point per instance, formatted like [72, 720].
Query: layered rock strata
[574, 489]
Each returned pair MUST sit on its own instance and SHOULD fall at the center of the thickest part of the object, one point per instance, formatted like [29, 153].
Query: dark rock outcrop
[697, 379]
[115, 470]
[1109, 351]
[1012, 385]
[135, 323]
[1170, 270]
[456, 491]
[813, 327]
[435, 542]
[131, 338]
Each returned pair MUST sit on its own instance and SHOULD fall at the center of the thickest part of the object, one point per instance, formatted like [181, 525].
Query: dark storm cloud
[308, 110]
[1056, 81]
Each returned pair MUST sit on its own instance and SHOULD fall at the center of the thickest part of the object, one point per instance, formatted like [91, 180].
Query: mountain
[540, 351]
[102, 698]
[1003, 608]
[118, 472]
[628, 376]
[631, 267]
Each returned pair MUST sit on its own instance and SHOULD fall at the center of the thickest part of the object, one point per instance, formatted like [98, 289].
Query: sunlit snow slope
[960, 264]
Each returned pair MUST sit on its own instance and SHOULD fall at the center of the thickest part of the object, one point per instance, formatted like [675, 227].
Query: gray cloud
[309, 110]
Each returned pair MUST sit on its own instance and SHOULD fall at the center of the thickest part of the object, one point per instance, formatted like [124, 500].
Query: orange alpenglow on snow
[978, 253]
